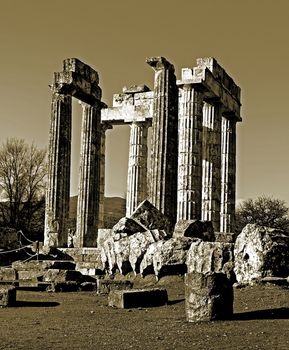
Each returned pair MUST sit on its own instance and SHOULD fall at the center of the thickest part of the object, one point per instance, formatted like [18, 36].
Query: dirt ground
[43, 320]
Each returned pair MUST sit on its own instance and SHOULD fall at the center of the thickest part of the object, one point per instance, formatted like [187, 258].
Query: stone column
[228, 175]
[211, 178]
[88, 188]
[190, 153]
[58, 188]
[137, 166]
[104, 127]
[163, 167]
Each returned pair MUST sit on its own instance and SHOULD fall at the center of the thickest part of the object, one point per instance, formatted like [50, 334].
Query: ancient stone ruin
[192, 170]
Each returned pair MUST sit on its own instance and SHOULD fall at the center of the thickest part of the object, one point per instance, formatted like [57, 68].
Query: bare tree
[22, 181]
[265, 211]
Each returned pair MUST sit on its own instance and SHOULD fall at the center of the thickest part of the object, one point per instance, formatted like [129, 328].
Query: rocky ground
[83, 320]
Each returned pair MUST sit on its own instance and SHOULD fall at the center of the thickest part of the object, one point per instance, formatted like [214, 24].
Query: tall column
[137, 166]
[164, 163]
[190, 153]
[211, 178]
[228, 175]
[103, 128]
[57, 195]
[88, 188]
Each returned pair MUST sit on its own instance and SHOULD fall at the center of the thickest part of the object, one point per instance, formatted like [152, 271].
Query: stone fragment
[104, 286]
[7, 296]
[225, 237]
[195, 228]
[150, 217]
[7, 274]
[126, 299]
[204, 257]
[208, 297]
[166, 257]
[128, 226]
[261, 252]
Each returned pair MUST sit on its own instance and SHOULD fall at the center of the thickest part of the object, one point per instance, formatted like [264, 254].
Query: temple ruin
[192, 172]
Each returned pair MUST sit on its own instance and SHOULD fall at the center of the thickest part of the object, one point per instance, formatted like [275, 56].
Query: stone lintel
[73, 84]
[220, 75]
[133, 89]
[213, 89]
[159, 63]
[82, 69]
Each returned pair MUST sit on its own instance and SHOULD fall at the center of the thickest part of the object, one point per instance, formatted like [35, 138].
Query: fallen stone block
[102, 235]
[128, 226]
[225, 237]
[7, 296]
[195, 229]
[208, 297]
[69, 286]
[30, 278]
[105, 286]
[261, 252]
[150, 217]
[56, 275]
[7, 274]
[127, 299]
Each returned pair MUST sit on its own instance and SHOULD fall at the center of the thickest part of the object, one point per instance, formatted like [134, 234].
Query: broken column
[137, 166]
[190, 150]
[57, 195]
[163, 167]
[228, 175]
[211, 172]
[209, 296]
[88, 189]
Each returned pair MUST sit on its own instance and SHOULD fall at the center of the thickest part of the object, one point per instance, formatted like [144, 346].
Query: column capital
[105, 126]
[159, 63]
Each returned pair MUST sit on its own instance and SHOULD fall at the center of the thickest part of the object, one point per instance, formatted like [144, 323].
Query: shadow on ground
[36, 304]
[269, 314]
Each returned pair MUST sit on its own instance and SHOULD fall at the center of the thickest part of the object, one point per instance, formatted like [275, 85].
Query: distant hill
[114, 209]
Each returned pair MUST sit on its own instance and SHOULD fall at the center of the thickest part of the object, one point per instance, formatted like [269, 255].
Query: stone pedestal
[163, 167]
[208, 297]
[211, 172]
[57, 195]
[190, 153]
[228, 175]
[104, 127]
[137, 167]
[88, 189]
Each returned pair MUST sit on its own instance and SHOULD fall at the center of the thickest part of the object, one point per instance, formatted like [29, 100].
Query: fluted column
[104, 127]
[228, 175]
[57, 195]
[88, 189]
[190, 153]
[137, 167]
[163, 166]
[211, 177]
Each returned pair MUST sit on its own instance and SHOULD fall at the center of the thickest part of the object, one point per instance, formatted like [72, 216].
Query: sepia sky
[249, 38]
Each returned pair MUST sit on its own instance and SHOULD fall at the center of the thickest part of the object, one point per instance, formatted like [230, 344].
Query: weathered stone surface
[166, 257]
[208, 297]
[195, 228]
[128, 226]
[56, 275]
[7, 296]
[205, 257]
[104, 286]
[225, 237]
[30, 278]
[126, 299]
[103, 235]
[7, 274]
[150, 217]
[90, 268]
[261, 252]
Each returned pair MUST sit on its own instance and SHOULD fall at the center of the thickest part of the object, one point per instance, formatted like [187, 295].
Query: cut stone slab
[7, 296]
[127, 299]
[195, 229]
[150, 217]
[208, 297]
[43, 265]
[261, 252]
[104, 286]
